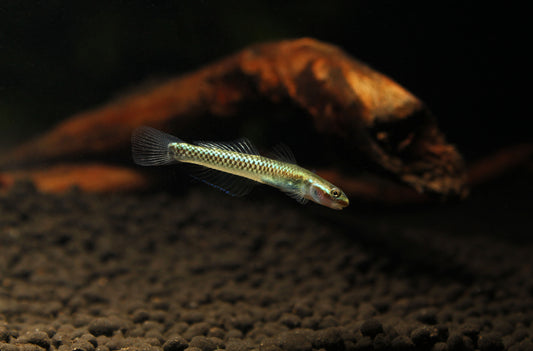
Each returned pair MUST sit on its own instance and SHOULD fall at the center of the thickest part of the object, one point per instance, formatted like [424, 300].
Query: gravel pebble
[82, 345]
[201, 328]
[39, 338]
[381, 342]
[424, 337]
[290, 320]
[204, 343]
[175, 343]
[490, 342]
[238, 345]
[8, 347]
[402, 343]
[364, 344]
[294, 341]
[371, 328]
[140, 316]
[103, 326]
[329, 339]
[440, 346]
[427, 316]
[459, 342]
[30, 347]
[4, 334]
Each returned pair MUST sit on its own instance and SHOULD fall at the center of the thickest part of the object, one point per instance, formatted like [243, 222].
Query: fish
[236, 167]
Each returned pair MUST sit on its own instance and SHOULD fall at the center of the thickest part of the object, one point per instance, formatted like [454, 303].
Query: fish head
[327, 194]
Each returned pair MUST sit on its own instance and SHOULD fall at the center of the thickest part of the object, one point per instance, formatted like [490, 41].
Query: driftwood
[368, 114]
[93, 177]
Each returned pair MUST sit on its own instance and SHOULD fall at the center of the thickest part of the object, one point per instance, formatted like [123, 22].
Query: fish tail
[150, 147]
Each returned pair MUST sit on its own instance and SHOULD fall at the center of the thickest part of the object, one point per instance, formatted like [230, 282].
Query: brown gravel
[204, 271]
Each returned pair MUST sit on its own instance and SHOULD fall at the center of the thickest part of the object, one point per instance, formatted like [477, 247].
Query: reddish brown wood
[504, 160]
[91, 177]
[370, 113]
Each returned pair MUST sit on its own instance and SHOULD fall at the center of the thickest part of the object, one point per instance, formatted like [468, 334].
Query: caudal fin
[149, 147]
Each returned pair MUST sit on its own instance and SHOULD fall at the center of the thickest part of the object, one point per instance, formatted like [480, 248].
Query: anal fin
[228, 183]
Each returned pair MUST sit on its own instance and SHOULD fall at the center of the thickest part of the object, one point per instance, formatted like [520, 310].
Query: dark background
[58, 58]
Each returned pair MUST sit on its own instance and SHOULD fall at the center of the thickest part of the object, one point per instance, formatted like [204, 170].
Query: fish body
[227, 166]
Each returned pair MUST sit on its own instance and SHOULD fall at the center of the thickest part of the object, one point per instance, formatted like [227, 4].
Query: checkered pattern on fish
[223, 159]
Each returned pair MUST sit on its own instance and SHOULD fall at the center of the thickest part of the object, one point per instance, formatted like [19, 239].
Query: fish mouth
[344, 202]
[340, 204]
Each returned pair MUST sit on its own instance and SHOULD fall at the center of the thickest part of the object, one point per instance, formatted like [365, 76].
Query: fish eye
[335, 193]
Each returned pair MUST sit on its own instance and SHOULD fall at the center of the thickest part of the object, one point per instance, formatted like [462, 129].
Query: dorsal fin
[242, 145]
[283, 153]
